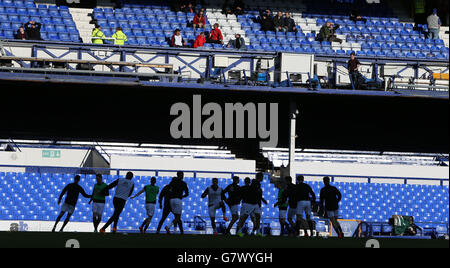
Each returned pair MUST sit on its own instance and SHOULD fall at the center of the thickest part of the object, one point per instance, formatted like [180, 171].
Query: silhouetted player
[290, 195]
[72, 190]
[124, 190]
[305, 198]
[282, 208]
[256, 216]
[164, 195]
[215, 202]
[151, 193]
[178, 191]
[98, 197]
[250, 200]
[234, 199]
[331, 196]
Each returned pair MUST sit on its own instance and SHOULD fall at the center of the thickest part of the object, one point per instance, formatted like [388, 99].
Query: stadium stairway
[82, 20]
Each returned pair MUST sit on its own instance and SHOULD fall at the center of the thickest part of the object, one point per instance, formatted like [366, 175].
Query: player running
[305, 197]
[250, 199]
[124, 190]
[98, 197]
[256, 215]
[290, 195]
[178, 191]
[215, 201]
[164, 195]
[234, 199]
[331, 196]
[151, 192]
[72, 190]
[282, 208]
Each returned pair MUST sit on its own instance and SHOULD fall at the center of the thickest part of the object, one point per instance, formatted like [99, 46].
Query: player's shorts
[234, 210]
[212, 209]
[291, 213]
[176, 205]
[150, 208]
[97, 208]
[257, 211]
[332, 213]
[67, 208]
[249, 209]
[304, 207]
[282, 213]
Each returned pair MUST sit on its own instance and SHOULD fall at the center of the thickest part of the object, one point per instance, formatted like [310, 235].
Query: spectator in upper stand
[238, 7]
[200, 40]
[177, 40]
[328, 33]
[97, 35]
[289, 23]
[278, 22]
[227, 8]
[434, 25]
[119, 37]
[215, 36]
[199, 20]
[353, 70]
[237, 43]
[267, 23]
[21, 34]
[178, 5]
[33, 30]
[189, 8]
[354, 16]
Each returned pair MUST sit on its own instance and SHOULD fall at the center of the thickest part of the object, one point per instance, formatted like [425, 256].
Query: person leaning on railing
[119, 37]
[97, 35]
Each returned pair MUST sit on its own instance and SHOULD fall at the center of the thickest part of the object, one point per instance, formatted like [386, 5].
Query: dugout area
[120, 240]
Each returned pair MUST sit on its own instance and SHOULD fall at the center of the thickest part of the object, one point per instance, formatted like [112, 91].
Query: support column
[293, 113]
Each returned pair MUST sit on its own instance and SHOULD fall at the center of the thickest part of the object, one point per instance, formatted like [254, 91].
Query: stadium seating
[57, 23]
[33, 196]
[151, 23]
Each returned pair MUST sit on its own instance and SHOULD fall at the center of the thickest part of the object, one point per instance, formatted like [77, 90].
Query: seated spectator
[189, 8]
[200, 40]
[21, 34]
[227, 8]
[33, 30]
[267, 23]
[354, 16]
[328, 33]
[289, 23]
[278, 22]
[215, 36]
[237, 43]
[238, 7]
[119, 37]
[199, 20]
[177, 40]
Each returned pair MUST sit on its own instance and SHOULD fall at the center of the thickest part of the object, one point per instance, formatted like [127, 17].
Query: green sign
[51, 154]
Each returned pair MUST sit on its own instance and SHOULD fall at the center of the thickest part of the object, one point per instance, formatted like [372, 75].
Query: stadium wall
[43, 226]
[362, 172]
[175, 164]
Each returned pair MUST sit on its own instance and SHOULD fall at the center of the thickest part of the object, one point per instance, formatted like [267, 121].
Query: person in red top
[215, 36]
[199, 20]
[200, 41]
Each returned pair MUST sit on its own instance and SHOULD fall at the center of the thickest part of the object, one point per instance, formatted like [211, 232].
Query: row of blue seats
[35, 12]
[404, 48]
[45, 28]
[44, 20]
[392, 40]
[152, 27]
[143, 17]
[63, 37]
